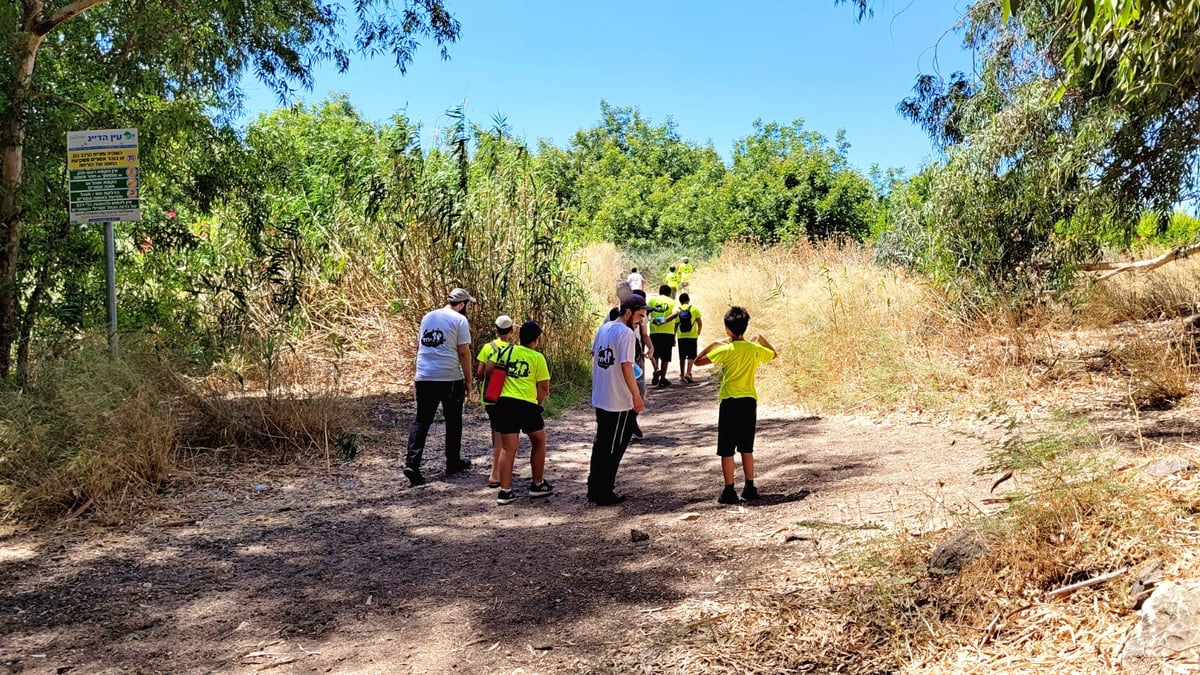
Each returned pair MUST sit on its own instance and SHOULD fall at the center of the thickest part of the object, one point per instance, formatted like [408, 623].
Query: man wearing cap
[487, 354]
[615, 397]
[443, 378]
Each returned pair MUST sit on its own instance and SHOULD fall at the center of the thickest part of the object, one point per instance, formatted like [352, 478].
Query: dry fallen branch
[1094, 581]
[1114, 268]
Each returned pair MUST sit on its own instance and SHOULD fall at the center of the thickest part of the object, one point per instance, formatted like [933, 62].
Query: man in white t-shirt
[636, 282]
[443, 378]
[615, 397]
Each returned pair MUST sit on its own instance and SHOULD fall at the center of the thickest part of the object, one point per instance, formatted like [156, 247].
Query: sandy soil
[301, 568]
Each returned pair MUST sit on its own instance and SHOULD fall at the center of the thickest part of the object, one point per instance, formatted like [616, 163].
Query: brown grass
[850, 334]
[874, 607]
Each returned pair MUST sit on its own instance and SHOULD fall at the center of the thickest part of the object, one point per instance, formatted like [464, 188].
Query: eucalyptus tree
[83, 63]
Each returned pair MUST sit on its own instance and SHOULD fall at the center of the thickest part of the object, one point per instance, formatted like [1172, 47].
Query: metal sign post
[104, 185]
[110, 280]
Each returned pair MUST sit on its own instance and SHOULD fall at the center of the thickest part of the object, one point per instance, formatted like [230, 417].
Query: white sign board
[103, 175]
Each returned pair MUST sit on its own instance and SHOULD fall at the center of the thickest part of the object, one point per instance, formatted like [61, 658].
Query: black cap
[530, 331]
[633, 304]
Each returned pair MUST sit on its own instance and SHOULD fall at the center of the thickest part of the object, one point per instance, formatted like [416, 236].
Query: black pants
[430, 395]
[613, 430]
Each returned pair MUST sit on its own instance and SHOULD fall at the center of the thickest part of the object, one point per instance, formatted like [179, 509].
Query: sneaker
[611, 500]
[654, 380]
[493, 484]
[413, 474]
[750, 493]
[506, 497]
[637, 431]
[540, 490]
[728, 496]
[663, 381]
[457, 466]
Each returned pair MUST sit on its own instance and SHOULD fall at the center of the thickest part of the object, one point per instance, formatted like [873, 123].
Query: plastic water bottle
[637, 372]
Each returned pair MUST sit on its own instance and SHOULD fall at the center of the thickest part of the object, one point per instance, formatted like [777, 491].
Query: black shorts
[490, 409]
[513, 416]
[735, 426]
[687, 348]
[663, 343]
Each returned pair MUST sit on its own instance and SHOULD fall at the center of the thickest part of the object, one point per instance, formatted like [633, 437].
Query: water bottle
[637, 372]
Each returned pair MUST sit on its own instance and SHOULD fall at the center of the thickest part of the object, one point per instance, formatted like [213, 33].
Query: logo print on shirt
[605, 358]
[433, 338]
[518, 369]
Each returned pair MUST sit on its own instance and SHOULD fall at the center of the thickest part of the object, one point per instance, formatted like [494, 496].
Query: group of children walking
[517, 381]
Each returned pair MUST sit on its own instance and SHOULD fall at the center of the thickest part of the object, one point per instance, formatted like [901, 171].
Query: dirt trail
[350, 570]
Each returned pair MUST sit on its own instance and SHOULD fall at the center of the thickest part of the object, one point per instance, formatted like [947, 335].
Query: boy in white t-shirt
[636, 281]
[443, 378]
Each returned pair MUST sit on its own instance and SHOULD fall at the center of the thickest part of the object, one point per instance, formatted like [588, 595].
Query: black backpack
[685, 320]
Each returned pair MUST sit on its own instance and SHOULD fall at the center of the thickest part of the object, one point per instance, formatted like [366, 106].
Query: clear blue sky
[713, 66]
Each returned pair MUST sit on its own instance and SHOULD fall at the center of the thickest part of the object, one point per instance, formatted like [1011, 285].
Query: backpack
[685, 320]
[495, 379]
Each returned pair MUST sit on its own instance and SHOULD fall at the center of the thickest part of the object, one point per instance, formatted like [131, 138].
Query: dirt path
[299, 569]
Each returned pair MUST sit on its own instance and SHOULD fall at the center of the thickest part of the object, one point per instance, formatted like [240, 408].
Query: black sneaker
[728, 496]
[750, 493]
[413, 474]
[611, 500]
[506, 497]
[654, 380]
[540, 490]
[457, 466]
[637, 431]
[663, 381]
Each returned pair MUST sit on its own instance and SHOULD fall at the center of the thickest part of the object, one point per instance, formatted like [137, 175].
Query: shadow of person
[776, 498]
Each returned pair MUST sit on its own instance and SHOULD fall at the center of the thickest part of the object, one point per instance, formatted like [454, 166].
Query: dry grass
[850, 334]
[875, 607]
[1170, 291]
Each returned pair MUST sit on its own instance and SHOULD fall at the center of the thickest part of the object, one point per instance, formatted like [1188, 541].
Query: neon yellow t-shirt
[739, 360]
[526, 367]
[487, 354]
[695, 331]
[672, 279]
[685, 272]
[660, 307]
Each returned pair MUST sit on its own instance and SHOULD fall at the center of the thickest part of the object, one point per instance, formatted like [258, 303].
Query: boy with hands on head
[739, 359]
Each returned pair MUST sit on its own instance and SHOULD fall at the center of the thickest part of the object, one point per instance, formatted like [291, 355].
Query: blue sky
[713, 66]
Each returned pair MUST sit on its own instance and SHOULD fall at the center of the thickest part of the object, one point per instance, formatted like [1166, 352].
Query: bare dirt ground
[300, 568]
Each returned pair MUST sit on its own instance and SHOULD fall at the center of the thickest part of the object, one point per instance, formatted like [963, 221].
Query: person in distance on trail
[443, 378]
[685, 273]
[687, 319]
[487, 354]
[672, 280]
[636, 281]
[662, 333]
[616, 399]
[739, 360]
[520, 409]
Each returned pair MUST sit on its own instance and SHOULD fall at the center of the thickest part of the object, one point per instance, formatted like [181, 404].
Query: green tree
[99, 63]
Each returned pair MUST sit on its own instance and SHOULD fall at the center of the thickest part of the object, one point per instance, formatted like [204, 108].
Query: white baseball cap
[504, 322]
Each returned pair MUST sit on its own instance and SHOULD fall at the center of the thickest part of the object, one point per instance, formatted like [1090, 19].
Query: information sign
[103, 175]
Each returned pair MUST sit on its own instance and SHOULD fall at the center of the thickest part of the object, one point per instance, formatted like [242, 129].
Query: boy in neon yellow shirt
[685, 273]
[519, 408]
[660, 312]
[739, 360]
[487, 354]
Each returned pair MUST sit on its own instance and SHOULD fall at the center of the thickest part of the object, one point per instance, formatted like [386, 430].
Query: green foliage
[640, 185]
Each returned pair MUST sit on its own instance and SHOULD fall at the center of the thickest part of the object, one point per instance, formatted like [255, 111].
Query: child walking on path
[687, 318]
[739, 360]
[519, 409]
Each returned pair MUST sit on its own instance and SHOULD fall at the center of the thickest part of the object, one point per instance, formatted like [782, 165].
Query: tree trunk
[12, 174]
